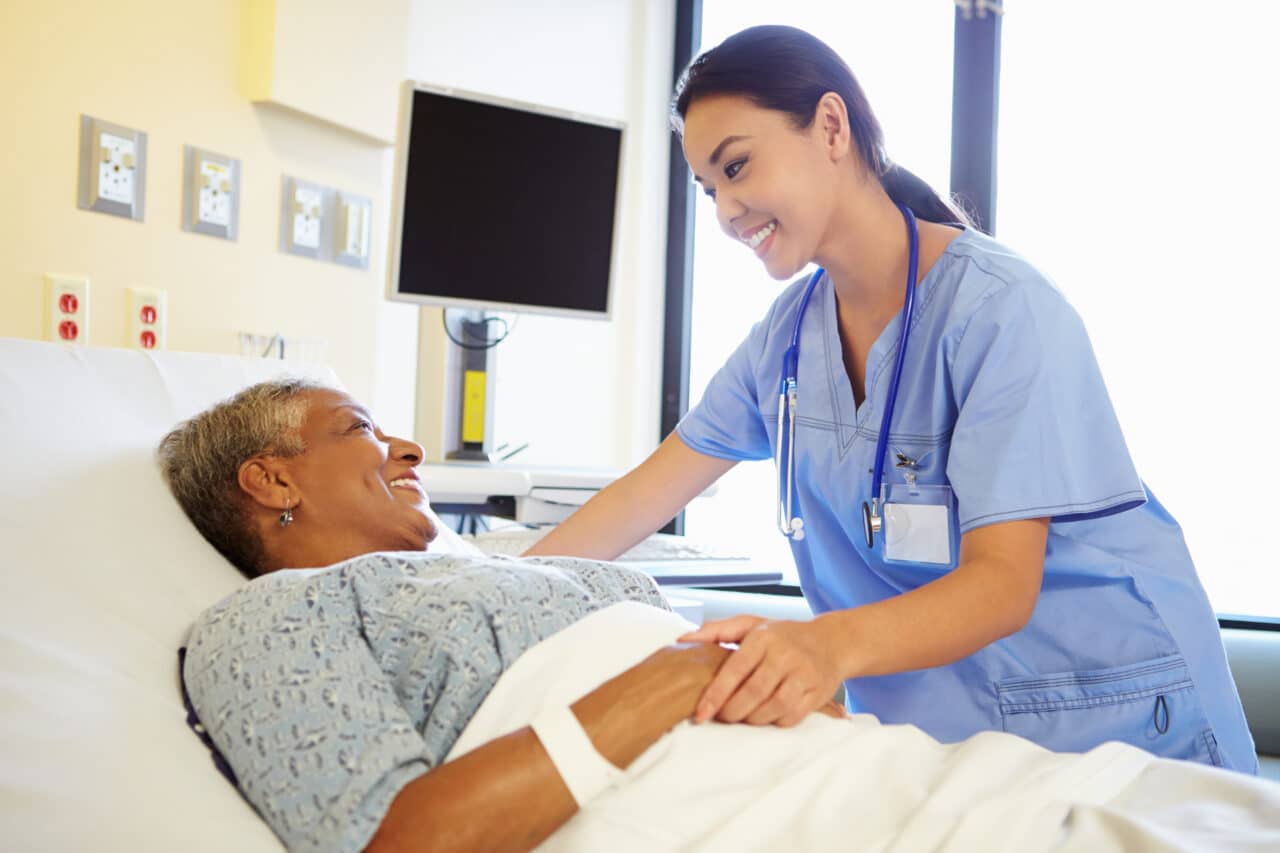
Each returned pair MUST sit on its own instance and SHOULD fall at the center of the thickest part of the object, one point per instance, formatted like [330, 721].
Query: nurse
[1021, 577]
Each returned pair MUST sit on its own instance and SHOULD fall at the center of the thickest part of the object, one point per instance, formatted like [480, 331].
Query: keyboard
[665, 547]
[671, 560]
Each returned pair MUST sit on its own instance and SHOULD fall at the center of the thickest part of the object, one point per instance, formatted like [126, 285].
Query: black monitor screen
[503, 205]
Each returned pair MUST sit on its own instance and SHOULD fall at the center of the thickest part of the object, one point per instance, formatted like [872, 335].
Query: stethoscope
[789, 522]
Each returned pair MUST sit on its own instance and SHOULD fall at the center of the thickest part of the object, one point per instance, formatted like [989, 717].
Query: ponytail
[906, 188]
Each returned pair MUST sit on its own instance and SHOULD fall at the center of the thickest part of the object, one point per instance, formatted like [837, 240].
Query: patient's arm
[507, 795]
[632, 507]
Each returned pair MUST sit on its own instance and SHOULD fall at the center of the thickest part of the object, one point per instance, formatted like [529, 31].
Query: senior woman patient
[340, 677]
[379, 660]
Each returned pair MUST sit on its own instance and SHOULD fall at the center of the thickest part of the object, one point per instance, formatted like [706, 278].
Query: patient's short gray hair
[201, 460]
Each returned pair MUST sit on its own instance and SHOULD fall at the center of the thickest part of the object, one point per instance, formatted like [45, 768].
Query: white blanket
[826, 784]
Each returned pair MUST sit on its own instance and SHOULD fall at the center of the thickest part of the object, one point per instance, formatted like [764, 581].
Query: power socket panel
[66, 309]
[148, 318]
[113, 168]
[304, 224]
[211, 193]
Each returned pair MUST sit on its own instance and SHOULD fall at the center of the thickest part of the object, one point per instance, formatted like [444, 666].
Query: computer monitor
[503, 206]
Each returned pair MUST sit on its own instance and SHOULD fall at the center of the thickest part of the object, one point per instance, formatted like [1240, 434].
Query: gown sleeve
[307, 719]
[728, 422]
[1036, 434]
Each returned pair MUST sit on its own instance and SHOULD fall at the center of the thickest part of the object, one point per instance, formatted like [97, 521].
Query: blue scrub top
[1002, 399]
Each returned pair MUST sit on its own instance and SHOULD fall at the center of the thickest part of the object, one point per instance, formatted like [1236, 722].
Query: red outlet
[147, 339]
[149, 314]
[66, 309]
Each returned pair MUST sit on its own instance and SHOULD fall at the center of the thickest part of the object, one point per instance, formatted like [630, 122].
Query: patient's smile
[407, 483]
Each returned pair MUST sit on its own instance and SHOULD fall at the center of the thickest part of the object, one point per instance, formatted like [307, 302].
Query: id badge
[917, 524]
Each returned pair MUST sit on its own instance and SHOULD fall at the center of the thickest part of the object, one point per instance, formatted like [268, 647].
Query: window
[1138, 168]
[910, 91]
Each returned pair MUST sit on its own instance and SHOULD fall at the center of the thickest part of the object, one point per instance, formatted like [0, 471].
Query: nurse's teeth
[757, 238]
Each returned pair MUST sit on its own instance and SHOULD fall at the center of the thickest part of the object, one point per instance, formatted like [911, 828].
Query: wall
[581, 392]
[171, 70]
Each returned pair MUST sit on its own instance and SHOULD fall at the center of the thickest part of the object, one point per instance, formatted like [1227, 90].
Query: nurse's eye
[731, 169]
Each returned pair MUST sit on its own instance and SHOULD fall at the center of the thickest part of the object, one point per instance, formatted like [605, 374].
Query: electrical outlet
[303, 217]
[351, 246]
[148, 315]
[211, 193]
[66, 309]
[112, 168]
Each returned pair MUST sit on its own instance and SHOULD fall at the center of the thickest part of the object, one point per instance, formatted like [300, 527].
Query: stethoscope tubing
[788, 523]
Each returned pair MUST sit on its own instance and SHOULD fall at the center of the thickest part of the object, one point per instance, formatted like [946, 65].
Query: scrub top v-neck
[1001, 398]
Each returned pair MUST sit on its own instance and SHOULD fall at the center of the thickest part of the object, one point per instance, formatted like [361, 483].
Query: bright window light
[1138, 167]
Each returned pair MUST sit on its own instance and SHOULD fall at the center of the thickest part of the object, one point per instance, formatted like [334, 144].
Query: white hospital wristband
[586, 773]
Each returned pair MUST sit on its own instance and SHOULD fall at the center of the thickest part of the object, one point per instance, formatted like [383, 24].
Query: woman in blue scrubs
[1070, 612]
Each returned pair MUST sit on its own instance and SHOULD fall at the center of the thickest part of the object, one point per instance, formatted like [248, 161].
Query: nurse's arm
[783, 670]
[635, 505]
[989, 595]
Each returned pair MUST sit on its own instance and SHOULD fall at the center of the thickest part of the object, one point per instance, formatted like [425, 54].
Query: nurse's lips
[758, 239]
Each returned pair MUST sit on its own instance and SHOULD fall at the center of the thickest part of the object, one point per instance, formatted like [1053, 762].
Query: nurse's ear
[831, 126]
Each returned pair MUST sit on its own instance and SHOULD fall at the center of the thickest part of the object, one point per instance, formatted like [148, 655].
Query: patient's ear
[266, 480]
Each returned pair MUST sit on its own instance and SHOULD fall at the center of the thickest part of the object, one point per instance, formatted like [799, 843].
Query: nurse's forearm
[990, 594]
[632, 507]
[933, 625]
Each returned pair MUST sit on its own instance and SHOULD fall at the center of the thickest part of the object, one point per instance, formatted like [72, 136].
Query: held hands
[781, 672]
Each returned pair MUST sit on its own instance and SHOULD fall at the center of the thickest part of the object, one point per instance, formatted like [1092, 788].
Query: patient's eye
[733, 168]
[362, 424]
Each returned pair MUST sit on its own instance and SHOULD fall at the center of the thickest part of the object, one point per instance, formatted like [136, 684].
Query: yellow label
[473, 406]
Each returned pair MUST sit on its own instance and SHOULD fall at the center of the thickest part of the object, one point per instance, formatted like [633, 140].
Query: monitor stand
[475, 398]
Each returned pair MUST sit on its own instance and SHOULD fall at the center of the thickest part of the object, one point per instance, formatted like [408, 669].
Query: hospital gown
[329, 690]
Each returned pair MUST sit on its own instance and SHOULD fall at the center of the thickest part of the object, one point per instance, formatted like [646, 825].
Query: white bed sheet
[856, 784]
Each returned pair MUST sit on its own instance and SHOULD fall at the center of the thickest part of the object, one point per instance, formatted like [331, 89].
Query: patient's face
[358, 490]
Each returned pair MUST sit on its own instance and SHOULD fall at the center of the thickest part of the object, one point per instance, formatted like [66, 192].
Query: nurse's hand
[781, 672]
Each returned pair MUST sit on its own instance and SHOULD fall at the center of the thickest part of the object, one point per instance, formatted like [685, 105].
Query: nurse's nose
[728, 208]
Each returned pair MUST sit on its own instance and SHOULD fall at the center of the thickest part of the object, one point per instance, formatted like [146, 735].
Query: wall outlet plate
[210, 193]
[305, 223]
[148, 318]
[353, 223]
[113, 168]
[66, 309]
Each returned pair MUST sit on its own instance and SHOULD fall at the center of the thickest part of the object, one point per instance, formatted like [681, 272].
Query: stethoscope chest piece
[871, 522]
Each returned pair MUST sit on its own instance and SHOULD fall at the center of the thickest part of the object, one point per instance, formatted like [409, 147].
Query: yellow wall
[172, 69]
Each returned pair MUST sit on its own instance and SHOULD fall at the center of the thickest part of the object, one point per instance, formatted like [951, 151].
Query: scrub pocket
[1151, 705]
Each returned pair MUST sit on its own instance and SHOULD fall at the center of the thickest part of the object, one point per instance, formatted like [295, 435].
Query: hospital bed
[102, 577]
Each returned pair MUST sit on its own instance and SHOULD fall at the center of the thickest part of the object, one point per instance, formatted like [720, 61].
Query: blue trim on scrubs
[1003, 400]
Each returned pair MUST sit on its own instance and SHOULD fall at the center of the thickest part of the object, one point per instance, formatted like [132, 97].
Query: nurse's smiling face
[774, 185]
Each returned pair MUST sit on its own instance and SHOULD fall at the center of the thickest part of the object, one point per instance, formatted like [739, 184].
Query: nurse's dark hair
[788, 70]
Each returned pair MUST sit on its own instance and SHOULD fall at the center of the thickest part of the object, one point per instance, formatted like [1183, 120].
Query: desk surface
[706, 572]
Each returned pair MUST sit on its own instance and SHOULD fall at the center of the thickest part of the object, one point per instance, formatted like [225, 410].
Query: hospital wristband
[585, 772]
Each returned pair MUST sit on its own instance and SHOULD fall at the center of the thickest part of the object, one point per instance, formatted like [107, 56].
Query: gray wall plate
[210, 193]
[306, 218]
[113, 168]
